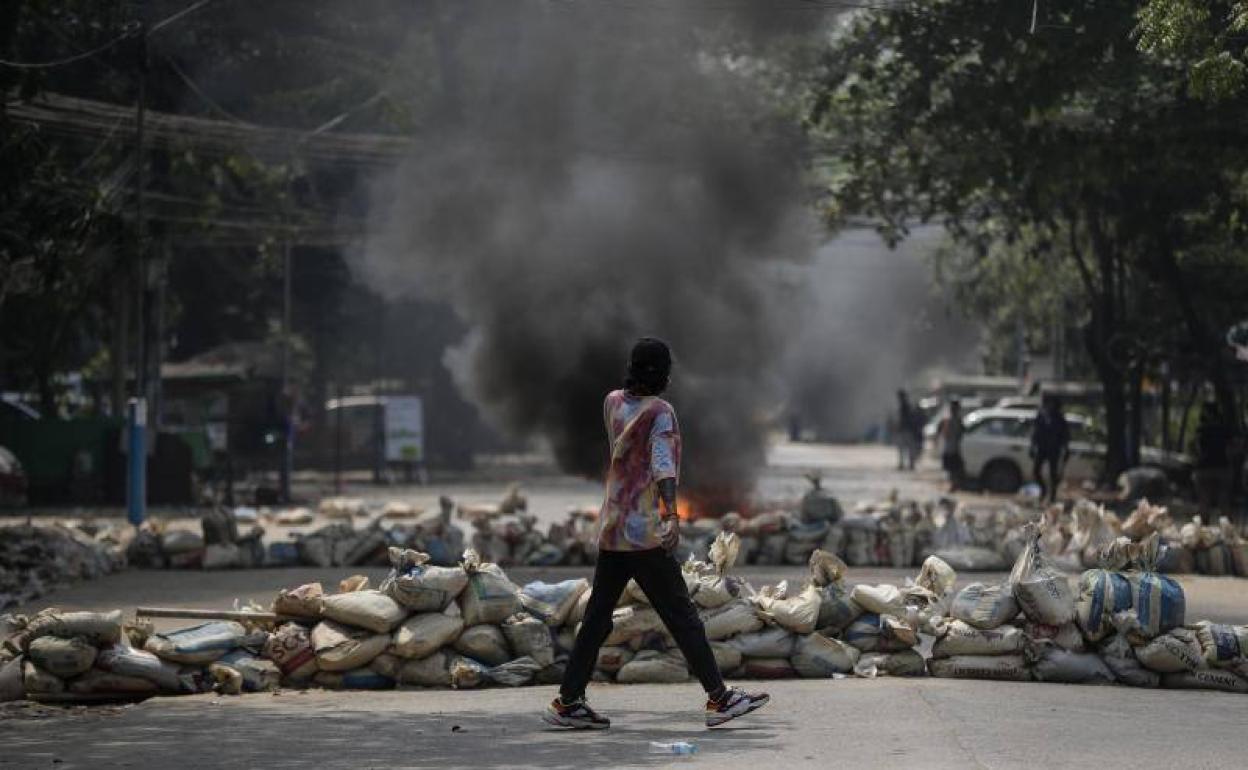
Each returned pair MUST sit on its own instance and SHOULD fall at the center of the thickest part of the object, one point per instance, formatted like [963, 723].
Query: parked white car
[997, 442]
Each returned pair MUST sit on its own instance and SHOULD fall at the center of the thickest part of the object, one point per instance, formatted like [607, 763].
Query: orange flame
[685, 509]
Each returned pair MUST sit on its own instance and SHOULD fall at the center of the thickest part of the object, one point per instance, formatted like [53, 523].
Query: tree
[1205, 37]
[1067, 143]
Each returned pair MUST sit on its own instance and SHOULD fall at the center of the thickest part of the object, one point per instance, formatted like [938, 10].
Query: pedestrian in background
[638, 531]
[1050, 446]
[951, 430]
[909, 432]
[1212, 476]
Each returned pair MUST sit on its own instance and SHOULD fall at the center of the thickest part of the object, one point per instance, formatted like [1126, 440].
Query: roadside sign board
[404, 429]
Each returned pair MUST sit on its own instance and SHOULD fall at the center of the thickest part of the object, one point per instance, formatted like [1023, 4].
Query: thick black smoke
[598, 175]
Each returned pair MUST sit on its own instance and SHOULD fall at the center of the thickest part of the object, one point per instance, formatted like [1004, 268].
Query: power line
[131, 31]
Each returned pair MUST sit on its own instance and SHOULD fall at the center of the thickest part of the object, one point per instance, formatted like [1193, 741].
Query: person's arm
[664, 443]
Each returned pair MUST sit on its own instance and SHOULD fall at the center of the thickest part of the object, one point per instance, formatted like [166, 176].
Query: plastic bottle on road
[679, 747]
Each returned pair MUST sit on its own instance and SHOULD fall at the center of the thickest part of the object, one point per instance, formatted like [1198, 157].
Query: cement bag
[98, 628]
[97, 682]
[650, 666]
[630, 622]
[290, 647]
[365, 609]
[836, 609]
[259, 675]
[1102, 594]
[799, 614]
[713, 587]
[771, 549]
[1067, 636]
[611, 659]
[36, 681]
[530, 637]
[903, 663]
[387, 665]
[11, 687]
[342, 648]
[961, 638]
[984, 606]
[578, 610]
[736, 617]
[484, 643]
[221, 556]
[879, 633]
[882, 599]
[489, 597]
[1053, 664]
[772, 642]
[815, 656]
[1172, 652]
[1206, 679]
[467, 673]
[62, 658]
[420, 587]
[1042, 591]
[197, 645]
[514, 673]
[420, 635]
[1011, 668]
[431, 671]
[1118, 656]
[1221, 645]
[127, 661]
[727, 657]
[936, 576]
[306, 601]
[1157, 601]
[552, 602]
[565, 639]
[365, 678]
[767, 668]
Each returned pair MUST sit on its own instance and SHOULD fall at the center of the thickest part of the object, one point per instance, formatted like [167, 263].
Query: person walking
[638, 531]
[951, 430]
[1050, 446]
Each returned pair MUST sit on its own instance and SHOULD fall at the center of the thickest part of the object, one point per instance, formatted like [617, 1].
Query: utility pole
[287, 400]
[136, 413]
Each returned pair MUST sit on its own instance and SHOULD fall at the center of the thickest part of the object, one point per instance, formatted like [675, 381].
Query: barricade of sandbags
[469, 626]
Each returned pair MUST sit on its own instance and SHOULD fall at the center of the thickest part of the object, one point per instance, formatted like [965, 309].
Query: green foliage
[1205, 37]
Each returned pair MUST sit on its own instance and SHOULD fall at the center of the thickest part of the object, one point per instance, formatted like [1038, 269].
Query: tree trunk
[1135, 434]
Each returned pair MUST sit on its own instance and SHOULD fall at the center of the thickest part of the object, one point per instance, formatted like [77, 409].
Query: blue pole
[136, 461]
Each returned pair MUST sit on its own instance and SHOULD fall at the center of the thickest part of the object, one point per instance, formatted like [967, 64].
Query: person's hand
[669, 533]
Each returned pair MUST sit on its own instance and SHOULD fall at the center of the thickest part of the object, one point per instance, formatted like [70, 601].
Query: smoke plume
[599, 173]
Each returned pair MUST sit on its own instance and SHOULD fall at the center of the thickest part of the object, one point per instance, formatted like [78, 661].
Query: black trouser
[659, 576]
[1047, 491]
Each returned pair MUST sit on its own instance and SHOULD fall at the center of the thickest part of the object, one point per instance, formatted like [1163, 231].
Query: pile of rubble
[35, 560]
[468, 626]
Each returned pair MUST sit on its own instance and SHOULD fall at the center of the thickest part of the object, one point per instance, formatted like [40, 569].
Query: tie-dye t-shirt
[645, 448]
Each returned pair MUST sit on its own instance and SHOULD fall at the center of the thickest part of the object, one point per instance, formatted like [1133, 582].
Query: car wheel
[1002, 477]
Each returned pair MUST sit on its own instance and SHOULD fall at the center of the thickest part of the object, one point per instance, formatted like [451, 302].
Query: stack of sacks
[1044, 595]
[82, 656]
[887, 630]
[955, 541]
[978, 640]
[1151, 635]
[1092, 529]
